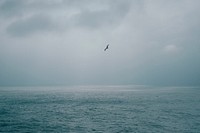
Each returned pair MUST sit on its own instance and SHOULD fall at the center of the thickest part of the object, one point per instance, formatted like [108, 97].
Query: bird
[106, 47]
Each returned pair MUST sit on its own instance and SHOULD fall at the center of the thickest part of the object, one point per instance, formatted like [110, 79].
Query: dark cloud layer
[30, 25]
[61, 42]
[10, 8]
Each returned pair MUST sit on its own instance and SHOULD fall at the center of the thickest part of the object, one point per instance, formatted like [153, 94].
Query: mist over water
[99, 109]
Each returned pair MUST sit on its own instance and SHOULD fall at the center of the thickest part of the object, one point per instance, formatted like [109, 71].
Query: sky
[61, 42]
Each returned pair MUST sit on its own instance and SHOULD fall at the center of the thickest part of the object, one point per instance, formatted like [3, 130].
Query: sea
[100, 109]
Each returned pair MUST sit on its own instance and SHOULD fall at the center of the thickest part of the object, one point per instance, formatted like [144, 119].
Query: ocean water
[100, 109]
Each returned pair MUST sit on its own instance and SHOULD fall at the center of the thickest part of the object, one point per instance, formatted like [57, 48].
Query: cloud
[10, 8]
[98, 14]
[37, 16]
[171, 49]
[27, 26]
[62, 42]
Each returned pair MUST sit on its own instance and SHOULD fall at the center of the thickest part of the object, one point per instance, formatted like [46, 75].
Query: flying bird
[106, 47]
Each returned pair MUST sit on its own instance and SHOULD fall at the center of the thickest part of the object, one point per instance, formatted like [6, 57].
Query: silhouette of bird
[106, 47]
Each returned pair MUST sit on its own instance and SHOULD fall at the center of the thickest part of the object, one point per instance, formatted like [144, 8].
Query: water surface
[100, 109]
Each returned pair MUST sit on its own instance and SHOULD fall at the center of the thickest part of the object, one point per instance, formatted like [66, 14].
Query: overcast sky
[61, 42]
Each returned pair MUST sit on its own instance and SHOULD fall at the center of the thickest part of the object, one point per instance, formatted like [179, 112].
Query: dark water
[100, 109]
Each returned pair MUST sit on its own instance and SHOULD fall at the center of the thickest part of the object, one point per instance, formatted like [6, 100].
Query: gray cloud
[30, 25]
[104, 17]
[10, 8]
[62, 42]
[34, 16]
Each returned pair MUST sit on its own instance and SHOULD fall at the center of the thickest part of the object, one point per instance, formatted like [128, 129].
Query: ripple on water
[148, 110]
